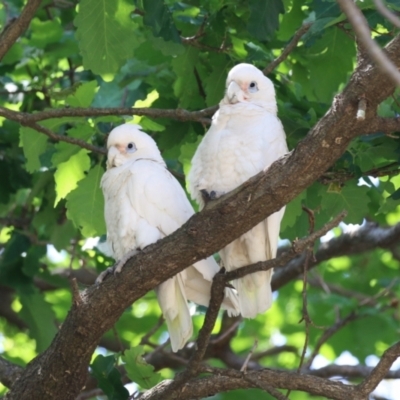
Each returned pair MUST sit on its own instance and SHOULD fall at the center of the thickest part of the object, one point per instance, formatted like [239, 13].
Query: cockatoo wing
[162, 203]
[242, 141]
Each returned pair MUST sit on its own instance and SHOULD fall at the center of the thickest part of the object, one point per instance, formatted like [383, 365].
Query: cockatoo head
[127, 143]
[246, 83]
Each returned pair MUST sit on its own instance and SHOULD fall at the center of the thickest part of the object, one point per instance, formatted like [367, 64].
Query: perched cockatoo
[144, 203]
[245, 137]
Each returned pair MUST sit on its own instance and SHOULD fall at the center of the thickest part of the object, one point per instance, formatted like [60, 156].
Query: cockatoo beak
[112, 156]
[235, 93]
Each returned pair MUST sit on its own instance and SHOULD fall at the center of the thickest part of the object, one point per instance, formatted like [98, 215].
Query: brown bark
[60, 372]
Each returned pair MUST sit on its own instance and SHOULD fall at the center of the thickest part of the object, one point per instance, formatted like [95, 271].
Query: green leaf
[158, 17]
[84, 95]
[331, 59]
[45, 32]
[138, 370]
[264, 18]
[107, 36]
[186, 88]
[109, 378]
[85, 205]
[39, 316]
[66, 150]
[214, 83]
[69, 173]
[34, 145]
[352, 198]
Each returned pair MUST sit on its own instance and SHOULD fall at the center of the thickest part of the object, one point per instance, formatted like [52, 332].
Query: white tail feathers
[255, 295]
[172, 299]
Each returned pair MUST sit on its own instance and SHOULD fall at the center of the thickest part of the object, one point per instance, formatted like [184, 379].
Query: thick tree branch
[205, 233]
[9, 372]
[16, 28]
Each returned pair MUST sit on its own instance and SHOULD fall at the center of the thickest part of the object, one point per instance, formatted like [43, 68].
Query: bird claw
[116, 268]
[103, 275]
[208, 196]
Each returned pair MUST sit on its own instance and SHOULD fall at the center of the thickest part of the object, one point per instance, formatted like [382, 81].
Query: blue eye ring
[253, 87]
[131, 148]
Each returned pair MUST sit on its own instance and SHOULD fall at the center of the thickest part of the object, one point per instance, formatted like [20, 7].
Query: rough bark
[60, 372]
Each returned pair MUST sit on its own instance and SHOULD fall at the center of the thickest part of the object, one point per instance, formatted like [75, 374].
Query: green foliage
[138, 370]
[166, 54]
[85, 204]
[109, 378]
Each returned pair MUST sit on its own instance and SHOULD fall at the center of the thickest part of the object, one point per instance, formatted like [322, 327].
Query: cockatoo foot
[213, 195]
[103, 275]
[117, 267]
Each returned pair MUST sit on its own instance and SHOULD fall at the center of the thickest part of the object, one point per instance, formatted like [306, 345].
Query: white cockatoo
[245, 137]
[144, 203]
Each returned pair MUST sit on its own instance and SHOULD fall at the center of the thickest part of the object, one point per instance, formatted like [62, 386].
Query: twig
[193, 368]
[246, 361]
[15, 29]
[178, 114]
[328, 333]
[226, 333]
[362, 31]
[288, 49]
[362, 107]
[379, 372]
[274, 351]
[152, 331]
[76, 296]
[118, 340]
[380, 6]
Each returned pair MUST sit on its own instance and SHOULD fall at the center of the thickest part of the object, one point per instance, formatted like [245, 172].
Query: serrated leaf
[39, 316]
[85, 205]
[109, 378]
[186, 88]
[65, 150]
[332, 50]
[138, 370]
[158, 17]
[106, 35]
[264, 18]
[34, 145]
[352, 198]
[83, 95]
[214, 84]
[69, 173]
[293, 211]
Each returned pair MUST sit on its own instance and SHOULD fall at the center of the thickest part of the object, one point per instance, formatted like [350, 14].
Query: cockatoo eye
[131, 148]
[253, 87]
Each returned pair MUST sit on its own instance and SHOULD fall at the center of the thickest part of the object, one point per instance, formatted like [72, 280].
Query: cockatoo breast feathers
[127, 142]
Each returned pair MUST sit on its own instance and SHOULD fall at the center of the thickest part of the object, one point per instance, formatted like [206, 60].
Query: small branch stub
[362, 107]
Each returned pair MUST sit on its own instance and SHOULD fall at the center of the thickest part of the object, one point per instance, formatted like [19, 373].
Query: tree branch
[379, 372]
[16, 28]
[361, 28]
[214, 227]
[9, 372]
[288, 49]
[369, 236]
